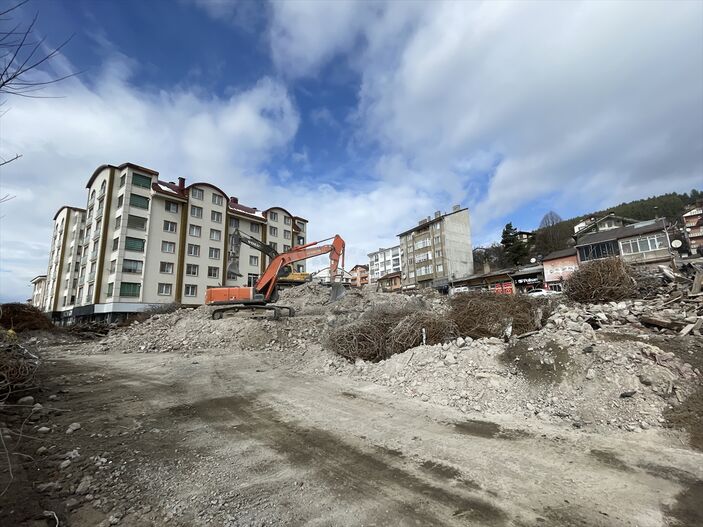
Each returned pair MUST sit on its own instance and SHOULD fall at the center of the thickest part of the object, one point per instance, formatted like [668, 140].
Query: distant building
[639, 243]
[390, 282]
[38, 291]
[608, 222]
[525, 237]
[558, 267]
[384, 261]
[360, 275]
[323, 276]
[693, 225]
[437, 251]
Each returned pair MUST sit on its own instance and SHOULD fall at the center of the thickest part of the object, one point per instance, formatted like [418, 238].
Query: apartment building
[693, 228]
[66, 250]
[437, 251]
[38, 291]
[142, 241]
[384, 261]
[283, 231]
[360, 275]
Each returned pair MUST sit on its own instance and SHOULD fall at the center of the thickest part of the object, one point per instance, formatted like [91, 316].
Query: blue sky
[361, 116]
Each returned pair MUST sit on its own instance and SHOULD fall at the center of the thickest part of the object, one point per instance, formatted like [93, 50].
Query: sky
[362, 117]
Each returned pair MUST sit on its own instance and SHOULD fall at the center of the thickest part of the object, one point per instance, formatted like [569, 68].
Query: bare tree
[550, 219]
[553, 234]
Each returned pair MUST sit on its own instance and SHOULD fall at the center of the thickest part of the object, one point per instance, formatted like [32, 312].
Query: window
[216, 216]
[213, 272]
[231, 276]
[287, 235]
[166, 267]
[215, 235]
[286, 248]
[286, 220]
[168, 247]
[193, 250]
[440, 268]
[130, 289]
[437, 240]
[234, 223]
[217, 199]
[273, 216]
[254, 260]
[274, 245]
[138, 180]
[191, 270]
[123, 177]
[301, 240]
[254, 227]
[214, 253]
[113, 266]
[191, 290]
[196, 193]
[132, 266]
[139, 202]
[196, 212]
[194, 230]
[134, 244]
[252, 279]
[120, 201]
[136, 222]
[169, 226]
[165, 289]
[118, 222]
[438, 253]
[171, 206]
[300, 268]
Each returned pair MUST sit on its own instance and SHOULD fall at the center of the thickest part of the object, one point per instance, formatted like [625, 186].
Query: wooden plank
[697, 282]
[661, 323]
[687, 329]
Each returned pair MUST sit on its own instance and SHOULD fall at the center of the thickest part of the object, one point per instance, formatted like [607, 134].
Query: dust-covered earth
[183, 420]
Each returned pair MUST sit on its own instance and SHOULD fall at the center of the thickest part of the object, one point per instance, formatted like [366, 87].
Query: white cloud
[592, 101]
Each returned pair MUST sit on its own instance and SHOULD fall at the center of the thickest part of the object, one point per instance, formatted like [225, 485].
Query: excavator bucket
[337, 291]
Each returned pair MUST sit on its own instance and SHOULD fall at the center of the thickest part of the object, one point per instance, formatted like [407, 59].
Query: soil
[233, 437]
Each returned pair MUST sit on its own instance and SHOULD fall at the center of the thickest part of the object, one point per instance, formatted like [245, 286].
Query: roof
[37, 278]
[390, 275]
[508, 271]
[67, 207]
[607, 216]
[562, 253]
[527, 270]
[621, 232]
[360, 266]
[204, 184]
[120, 167]
[284, 210]
[431, 221]
[168, 188]
[250, 212]
[384, 249]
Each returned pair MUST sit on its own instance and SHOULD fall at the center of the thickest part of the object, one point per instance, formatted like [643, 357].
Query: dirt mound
[23, 317]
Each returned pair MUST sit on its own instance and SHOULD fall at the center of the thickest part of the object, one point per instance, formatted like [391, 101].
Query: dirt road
[233, 439]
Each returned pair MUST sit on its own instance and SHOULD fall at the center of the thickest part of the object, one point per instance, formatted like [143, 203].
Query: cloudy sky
[360, 116]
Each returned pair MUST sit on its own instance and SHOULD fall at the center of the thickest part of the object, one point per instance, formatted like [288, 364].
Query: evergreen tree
[516, 252]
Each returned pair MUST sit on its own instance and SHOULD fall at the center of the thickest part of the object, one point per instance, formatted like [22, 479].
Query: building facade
[360, 275]
[437, 251]
[384, 261]
[643, 242]
[283, 231]
[38, 299]
[142, 242]
[558, 267]
[693, 227]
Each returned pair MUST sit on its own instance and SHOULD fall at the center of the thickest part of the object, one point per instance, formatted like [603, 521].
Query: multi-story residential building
[607, 222]
[66, 251]
[438, 250]
[384, 261]
[360, 275]
[142, 242]
[38, 299]
[283, 231]
[644, 242]
[693, 226]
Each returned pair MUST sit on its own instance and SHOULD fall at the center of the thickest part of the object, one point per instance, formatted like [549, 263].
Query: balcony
[93, 256]
[91, 277]
[96, 236]
[98, 214]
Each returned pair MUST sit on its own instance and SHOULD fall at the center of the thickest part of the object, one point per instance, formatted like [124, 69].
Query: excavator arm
[266, 285]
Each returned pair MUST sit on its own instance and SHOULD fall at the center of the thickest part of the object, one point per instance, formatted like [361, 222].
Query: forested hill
[670, 206]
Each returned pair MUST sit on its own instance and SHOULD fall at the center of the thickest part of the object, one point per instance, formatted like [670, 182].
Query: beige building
[142, 242]
[384, 261]
[437, 251]
[283, 231]
[38, 299]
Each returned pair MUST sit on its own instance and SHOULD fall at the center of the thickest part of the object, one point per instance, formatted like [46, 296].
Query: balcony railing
[91, 277]
[93, 256]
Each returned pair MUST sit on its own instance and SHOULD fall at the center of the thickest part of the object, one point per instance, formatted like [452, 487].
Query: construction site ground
[186, 421]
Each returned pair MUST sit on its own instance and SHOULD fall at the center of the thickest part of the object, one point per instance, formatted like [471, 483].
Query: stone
[590, 374]
[42, 450]
[26, 401]
[627, 393]
[450, 359]
[73, 427]
[65, 464]
[44, 430]
[48, 487]
[71, 503]
[460, 342]
[84, 485]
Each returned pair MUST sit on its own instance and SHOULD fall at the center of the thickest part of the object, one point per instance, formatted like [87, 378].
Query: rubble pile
[23, 317]
[601, 281]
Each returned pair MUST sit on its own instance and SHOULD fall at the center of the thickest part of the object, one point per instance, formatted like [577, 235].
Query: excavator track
[278, 311]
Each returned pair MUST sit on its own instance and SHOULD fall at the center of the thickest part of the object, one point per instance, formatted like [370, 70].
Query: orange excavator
[265, 292]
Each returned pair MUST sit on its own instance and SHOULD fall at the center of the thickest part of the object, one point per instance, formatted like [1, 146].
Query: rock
[71, 503]
[646, 379]
[84, 485]
[450, 359]
[627, 393]
[53, 397]
[65, 464]
[73, 427]
[590, 374]
[50, 486]
[44, 430]
[460, 342]
[26, 401]
[42, 450]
